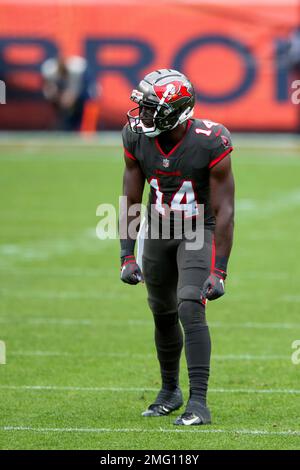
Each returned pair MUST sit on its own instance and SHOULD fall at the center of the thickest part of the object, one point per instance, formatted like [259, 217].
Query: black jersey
[180, 178]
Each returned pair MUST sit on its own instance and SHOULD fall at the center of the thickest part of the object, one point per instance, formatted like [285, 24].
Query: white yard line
[60, 271]
[249, 432]
[139, 322]
[221, 357]
[98, 295]
[280, 391]
[44, 249]
[223, 325]
[46, 321]
[96, 272]
[261, 208]
[67, 295]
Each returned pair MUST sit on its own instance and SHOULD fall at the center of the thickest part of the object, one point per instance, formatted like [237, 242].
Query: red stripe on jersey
[177, 145]
[220, 157]
[168, 173]
[128, 154]
[213, 255]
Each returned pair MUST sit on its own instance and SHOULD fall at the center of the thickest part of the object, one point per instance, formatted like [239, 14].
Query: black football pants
[174, 277]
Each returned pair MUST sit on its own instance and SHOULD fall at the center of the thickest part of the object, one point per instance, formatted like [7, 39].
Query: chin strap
[187, 114]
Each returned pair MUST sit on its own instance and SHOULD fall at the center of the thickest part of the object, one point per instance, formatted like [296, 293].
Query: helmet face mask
[165, 99]
[146, 120]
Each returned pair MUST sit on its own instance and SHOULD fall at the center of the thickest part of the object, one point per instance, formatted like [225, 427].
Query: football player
[186, 163]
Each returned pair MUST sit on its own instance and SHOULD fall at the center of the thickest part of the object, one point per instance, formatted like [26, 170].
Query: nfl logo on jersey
[166, 163]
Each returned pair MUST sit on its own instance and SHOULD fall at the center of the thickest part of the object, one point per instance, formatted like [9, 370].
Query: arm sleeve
[221, 145]
[128, 143]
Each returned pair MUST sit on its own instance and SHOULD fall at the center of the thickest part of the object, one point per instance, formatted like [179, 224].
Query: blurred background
[71, 64]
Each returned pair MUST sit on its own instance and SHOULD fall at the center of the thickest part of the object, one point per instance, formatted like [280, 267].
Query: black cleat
[166, 402]
[195, 414]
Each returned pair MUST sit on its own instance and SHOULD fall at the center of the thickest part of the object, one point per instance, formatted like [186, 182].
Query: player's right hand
[130, 271]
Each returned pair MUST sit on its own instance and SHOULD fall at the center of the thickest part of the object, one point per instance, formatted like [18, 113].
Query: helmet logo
[171, 91]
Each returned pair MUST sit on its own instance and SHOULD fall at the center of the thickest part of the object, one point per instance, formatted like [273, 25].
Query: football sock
[169, 343]
[197, 347]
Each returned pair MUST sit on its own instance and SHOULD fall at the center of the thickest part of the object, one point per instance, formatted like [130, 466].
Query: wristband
[127, 247]
[127, 259]
[221, 263]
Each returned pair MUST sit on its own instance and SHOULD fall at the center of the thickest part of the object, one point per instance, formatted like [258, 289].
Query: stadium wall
[234, 52]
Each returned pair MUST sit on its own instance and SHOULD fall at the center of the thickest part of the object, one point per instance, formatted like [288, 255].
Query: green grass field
[81, 363]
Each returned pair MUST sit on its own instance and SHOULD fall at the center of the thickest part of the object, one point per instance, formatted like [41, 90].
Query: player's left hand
[214, 287]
